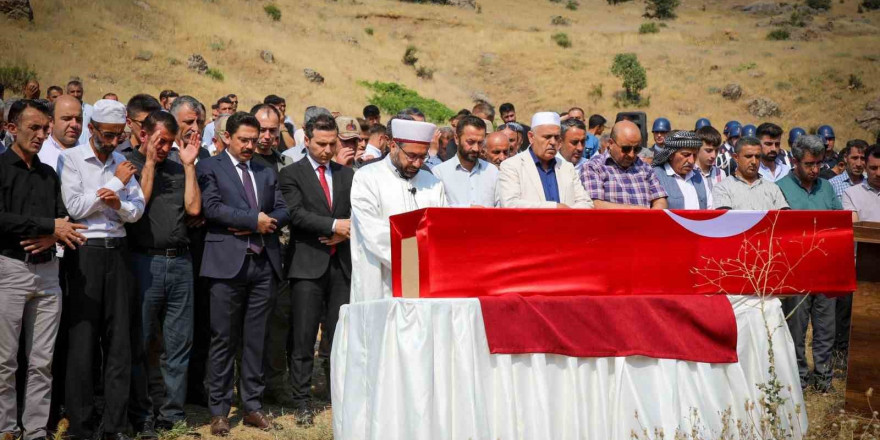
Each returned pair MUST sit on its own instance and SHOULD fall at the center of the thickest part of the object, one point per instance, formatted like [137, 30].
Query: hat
[348, 127]
[545, 118]
[108, 111]
[415, 132]
[678, 140]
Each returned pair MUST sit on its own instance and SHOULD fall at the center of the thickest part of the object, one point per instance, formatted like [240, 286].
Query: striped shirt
[605, 180]
[841, 183]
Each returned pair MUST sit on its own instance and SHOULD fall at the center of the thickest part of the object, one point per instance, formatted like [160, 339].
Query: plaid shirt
[841, 183]
[605, 180]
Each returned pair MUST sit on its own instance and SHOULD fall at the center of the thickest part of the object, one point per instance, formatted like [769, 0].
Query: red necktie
[326, 187]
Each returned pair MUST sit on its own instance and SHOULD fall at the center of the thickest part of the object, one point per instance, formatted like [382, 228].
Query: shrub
[595, 92]
[746, 66]
[661, 9]
[561, 38]
[649, 28]
[823, 5]
[855, 82]
[409, 57]
[392, 98]
[13, 77]
[870, 4]
[778, 35]
[572, 5]
[425, 72]
[369, 31]
[559, 20]
[215, 74]
[218, 45]
[626, 66]
[614, 2]
[273, 12]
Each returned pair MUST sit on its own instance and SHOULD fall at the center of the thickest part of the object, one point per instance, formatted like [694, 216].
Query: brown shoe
[220, 426]
[257, 420]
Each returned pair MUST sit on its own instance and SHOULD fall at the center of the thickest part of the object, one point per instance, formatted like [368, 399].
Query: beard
[404, 171]
[102, 147]
[771, 156]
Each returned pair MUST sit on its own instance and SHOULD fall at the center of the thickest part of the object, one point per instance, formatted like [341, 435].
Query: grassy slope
[505, 52]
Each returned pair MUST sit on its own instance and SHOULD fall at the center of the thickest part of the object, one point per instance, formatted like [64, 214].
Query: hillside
[502, 50]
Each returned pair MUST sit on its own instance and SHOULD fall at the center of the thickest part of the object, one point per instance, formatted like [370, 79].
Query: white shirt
[577, 166]
[327, 174]
[378, 192]
[235, 163]
[296, 153]
[466, 188]
[691, 199]
[781, 170]
[208, 137]
[82, 175]
[87, 116]
[373, 151]
[50, 152]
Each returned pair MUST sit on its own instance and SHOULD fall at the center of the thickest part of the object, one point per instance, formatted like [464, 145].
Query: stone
[763, 107]
[558, 20]
[267, 56]
[351, 40]
[197, 62]
[762, 8]
[804, 34]
[313, 76]
[732, 92]
[756, 73]
[869, 119]
[143, 5]
[144, 55]
[17, 9]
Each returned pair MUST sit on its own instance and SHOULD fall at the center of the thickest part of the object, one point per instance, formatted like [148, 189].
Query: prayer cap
[108, 111]
[414, 132]
[545, 118]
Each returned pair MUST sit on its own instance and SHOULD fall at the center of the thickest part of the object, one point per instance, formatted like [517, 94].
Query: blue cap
[749, 130]
[735, 130]
[824, 139]
[826, 131]
[794, 134]
[661, 124]
[702, 122]
[730, 124]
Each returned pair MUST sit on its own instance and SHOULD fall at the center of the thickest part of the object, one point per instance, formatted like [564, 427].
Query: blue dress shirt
[548, 178]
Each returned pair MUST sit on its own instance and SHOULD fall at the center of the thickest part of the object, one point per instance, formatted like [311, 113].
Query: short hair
[807, 144]
[768, 129]
[214, 106]
[411, 111]
[363, 123]
[239, 119]
[469, 121]
[188, 101]
[313, 111]
[463, 112]
[371, 111]
[109, 94]
[378, 129]
[873, 151]
[142, 103]
[321, 122]
[506, 108]
[272, 100]
[570, 123]
[596, 121]
[74, 82]
[232, 95]
[224, 100]
[165, 94]
[157, 117]
[267, 107]
[55, 88]
[746, 141]
[857, 144]
[18, 108]
[576, 108]
[709, 135]
[485, 108]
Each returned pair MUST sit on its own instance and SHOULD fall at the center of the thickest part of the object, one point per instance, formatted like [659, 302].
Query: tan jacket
[519, 185]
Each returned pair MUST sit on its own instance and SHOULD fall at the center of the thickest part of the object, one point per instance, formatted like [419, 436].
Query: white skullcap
[412, 131]
[545, 118]
[108, 111]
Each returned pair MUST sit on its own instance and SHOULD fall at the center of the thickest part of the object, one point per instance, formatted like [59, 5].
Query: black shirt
[274, 161]
[162, 225]
[30, 200]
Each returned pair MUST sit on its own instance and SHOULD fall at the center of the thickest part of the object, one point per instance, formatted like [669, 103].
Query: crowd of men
[155, 254]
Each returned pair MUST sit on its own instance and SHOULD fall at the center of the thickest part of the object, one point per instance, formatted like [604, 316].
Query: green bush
[649, 28]
[14, 77]
[214, 74]
[561, 38]
[819, 4]
[393, 97]
[424, 72]
[871, 5]
[369, 31]
[626, 66]
[409, 57]
[273, 12]
[778, 35]
[661, 9]
[572, 5]
[855, 82]
[614, 2]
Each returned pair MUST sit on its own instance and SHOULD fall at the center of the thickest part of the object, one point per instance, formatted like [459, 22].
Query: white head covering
[108, 111]
[412, 131]
[545, 118]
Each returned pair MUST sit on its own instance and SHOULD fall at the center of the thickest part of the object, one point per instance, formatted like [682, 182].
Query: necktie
[321, 170]
[252, 201]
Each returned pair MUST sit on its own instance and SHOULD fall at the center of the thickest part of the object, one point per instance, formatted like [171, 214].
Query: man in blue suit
[245, 212]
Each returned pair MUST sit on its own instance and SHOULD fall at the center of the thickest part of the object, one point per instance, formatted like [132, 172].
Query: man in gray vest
[674, 168]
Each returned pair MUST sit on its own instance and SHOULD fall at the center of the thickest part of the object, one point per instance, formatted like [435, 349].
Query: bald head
[66, 113]
[626, 140]
[270, 128]
[497, 148]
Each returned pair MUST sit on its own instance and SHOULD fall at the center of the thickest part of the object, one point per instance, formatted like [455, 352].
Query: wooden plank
[863, 370]
[866, 232]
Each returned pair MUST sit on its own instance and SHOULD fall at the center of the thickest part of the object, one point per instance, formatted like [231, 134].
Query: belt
[161, 252]
[27, 257]
[107, 242]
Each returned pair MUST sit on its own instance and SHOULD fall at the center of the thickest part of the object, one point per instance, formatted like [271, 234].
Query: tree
[661, 9]
[626, 66]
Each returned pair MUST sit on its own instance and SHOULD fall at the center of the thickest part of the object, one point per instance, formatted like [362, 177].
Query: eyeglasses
[111, 135]
[412, 157]
[629, 149]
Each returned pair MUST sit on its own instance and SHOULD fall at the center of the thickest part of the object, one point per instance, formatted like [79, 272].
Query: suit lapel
[337, 185]
[229, 168]
[532, 170]
[562, 189]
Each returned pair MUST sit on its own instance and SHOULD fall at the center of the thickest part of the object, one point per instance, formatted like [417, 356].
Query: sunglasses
[630, 149]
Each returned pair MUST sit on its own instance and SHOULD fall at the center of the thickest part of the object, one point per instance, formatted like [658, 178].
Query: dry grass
[98, 41]
[286, 428]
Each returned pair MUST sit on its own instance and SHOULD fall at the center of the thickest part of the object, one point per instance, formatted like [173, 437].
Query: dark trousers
[310, 300]
[278, 341]
[843, 315]
[101, 291]
[165, 301]
[240, 309]
[820, 310]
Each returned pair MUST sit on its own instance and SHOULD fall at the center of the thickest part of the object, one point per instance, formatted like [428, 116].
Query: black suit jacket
[311, 218]
[225, 206]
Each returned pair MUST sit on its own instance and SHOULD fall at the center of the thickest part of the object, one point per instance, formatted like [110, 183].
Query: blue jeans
[165, 297]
